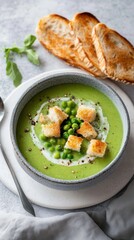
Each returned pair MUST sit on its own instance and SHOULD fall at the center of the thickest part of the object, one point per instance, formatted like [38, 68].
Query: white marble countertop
[19, 19]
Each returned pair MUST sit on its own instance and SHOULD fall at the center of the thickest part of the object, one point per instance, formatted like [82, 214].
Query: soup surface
[48, 155]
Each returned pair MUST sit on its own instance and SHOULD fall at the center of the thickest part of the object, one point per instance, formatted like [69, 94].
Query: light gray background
[19, 19]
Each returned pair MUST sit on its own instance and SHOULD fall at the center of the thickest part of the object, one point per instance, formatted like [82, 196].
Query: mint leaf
[28, 42]
[11, 68]
[7, 53]
[8, 68]
[32, 56]
[17, 50]
[13, 72]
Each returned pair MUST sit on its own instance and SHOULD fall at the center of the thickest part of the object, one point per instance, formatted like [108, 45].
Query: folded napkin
[111, 221]
[73, 226]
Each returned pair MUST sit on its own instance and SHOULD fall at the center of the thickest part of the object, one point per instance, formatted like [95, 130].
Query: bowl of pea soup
[69, 130]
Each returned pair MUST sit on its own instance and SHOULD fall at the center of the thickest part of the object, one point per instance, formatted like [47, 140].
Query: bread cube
[87, 131]
[57, 115]
[96, 148]
[86, 113]
[74, 143]
[43, 119]
[51, 130]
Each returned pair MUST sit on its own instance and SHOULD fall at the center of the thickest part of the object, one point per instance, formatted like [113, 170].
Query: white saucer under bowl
[69, 199]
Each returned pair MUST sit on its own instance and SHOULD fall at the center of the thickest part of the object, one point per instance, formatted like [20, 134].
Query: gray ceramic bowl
[56, 79]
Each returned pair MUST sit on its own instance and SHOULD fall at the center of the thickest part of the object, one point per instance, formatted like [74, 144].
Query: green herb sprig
[11, 67]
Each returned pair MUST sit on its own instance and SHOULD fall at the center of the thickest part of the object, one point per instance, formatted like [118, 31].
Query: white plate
[52, 198]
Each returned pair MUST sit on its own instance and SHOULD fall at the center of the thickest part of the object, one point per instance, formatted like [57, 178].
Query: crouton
[57, 115]
[87, 131]
[86, 113]
[74, 143]
[43, 119]
[96, 148]
[51, 129]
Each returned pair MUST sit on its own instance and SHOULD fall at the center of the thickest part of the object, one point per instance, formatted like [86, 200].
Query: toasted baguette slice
[82, 25]
[55, 34]
[115, 54]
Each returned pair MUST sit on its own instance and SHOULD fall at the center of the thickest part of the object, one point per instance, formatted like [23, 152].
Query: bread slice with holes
[115, 53]
[82, 25]
[55, 33]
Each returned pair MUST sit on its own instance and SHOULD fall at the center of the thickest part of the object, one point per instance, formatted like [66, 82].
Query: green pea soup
[34, 155]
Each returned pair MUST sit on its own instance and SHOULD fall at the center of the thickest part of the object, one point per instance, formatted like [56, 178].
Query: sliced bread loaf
[55, 33]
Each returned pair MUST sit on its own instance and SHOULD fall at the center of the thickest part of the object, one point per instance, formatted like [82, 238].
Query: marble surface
[19, 19]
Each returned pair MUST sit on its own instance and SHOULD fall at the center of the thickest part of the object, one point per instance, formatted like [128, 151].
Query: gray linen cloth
[114, 220]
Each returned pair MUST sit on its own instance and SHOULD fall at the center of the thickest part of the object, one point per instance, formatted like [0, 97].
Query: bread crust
[115, 54]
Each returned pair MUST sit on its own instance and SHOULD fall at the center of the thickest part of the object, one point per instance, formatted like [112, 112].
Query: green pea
[82, 150]
[58, 141]
[71, 104]
[64, 104]
[74, 120]
[65, 135]
[66, 150]
[67, 110]
[58, 147]
[71, 116]
[71, 131]
[62, 141]
[68, 121]
[57, 155]
[84, 146]
[53, 141]
[47, 144]
[75, 126]
[42, 137]
[66, 127]
[79, 120]
[73, 112]
[51, 149]
[64, 155]
[69, 156]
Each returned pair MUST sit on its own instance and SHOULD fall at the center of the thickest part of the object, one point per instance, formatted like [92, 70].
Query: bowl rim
[31, 170]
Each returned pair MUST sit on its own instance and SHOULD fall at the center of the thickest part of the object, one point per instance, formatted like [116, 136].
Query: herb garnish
[11, 67]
